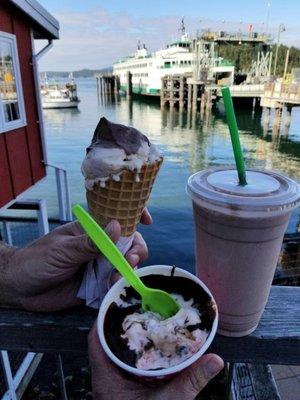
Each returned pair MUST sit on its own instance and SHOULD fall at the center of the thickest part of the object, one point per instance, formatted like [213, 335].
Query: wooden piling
[181, 92]
[208, 105]
[189, 99]
[202, 104]
[267, 113]
[115, 85]
[288, 118]
[171, 100]
[195, 96]
[102, 85]
[177, 92]
[129, 84]
[257, 106]
[277, 119]
[162, 93]
[97, 85]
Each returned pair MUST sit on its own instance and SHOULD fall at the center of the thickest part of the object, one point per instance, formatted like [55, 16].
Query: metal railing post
[63, 193]
[61, 377]
[8, 377]
[7, 233]
[61, 203]
[68, 198]
[42, 216]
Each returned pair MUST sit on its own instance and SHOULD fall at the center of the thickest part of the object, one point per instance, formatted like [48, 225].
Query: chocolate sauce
[110, 135]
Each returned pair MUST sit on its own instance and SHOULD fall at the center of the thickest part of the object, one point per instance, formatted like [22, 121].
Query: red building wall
[21, 156]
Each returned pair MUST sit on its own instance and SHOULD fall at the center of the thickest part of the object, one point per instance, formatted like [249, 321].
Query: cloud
[97, 38]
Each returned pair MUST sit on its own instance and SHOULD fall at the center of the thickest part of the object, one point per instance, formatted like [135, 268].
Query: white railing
[31, 360]
[63, 193]
[246, 89]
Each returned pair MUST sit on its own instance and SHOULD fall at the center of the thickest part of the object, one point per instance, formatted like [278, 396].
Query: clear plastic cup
[114, 295]
[239, 232]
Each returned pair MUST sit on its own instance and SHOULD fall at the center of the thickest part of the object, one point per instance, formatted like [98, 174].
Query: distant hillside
[242, 57]
[82, 73]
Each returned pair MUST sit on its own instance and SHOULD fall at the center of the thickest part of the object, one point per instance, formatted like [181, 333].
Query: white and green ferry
[147, 69]
[178, 58]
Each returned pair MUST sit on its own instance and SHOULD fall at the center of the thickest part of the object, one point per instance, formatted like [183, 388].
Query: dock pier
[107, 84]
[184, 92]
[281, 97]
[173, 91]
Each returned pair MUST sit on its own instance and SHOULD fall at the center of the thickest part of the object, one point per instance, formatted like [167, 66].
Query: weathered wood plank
[263, 382]
[277, 338]
[275, 341]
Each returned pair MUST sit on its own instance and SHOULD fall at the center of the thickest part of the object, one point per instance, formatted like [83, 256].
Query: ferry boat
[147, 69]
[56, 95]
[179, 58]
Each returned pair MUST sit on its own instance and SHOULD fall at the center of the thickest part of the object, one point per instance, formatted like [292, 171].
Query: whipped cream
[162, 343]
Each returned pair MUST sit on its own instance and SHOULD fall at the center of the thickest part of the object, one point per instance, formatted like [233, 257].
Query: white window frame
[18, 123]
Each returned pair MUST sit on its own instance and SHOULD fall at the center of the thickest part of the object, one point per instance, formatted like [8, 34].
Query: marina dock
[107, 83]
[195, 84]
[199, 77]
[280, 96]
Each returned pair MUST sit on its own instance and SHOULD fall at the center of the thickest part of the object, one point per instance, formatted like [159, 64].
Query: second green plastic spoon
[154, 300]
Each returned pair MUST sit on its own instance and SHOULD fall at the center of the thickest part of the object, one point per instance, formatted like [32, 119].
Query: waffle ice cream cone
[123, 200]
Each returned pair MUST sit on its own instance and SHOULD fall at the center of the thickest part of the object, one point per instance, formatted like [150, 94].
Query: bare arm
[6, 297]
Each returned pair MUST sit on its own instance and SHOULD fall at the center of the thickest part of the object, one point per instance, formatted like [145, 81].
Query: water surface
[188, 144]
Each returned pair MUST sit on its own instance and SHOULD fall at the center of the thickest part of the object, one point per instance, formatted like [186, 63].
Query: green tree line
[243, 55]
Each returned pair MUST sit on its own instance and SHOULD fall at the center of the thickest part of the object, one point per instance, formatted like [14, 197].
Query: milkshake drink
[239, 232]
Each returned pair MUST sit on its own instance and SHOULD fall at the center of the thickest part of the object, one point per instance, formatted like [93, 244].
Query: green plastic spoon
[154, 300]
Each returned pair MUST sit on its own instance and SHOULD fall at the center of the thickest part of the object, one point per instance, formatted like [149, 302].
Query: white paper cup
[114, 294]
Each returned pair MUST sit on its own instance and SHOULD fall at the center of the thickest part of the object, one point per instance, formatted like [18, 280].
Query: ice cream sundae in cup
[142, 342]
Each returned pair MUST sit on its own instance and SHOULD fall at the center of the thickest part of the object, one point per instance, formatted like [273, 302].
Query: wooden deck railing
[275, 341]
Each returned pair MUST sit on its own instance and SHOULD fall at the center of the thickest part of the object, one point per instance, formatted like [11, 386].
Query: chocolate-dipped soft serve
[114, 149]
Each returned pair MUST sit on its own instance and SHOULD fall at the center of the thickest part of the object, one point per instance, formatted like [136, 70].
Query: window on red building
[12, 113]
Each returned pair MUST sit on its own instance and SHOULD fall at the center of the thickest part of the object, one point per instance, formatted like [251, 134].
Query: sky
[95, 33]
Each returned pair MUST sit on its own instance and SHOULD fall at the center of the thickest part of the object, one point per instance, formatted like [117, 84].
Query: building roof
[45, 26]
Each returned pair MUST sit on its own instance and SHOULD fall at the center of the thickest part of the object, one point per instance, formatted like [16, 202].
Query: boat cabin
[22, 147]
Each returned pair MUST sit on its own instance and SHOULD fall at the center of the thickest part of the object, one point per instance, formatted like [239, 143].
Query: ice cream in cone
[120, 168]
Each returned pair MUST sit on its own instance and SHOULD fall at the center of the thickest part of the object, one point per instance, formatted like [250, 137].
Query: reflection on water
[189, 143]
[61, 117]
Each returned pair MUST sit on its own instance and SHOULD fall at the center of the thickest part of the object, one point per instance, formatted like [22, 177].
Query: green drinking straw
[234, 134]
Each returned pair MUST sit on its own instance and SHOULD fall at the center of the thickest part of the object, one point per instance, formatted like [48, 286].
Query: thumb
[195, 378]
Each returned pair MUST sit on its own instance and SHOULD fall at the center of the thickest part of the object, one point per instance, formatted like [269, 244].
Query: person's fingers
[138, 251]
[195, 378]
[146, 217]
[79, 249]
[113, 229]
[75, 229]
[84, 248]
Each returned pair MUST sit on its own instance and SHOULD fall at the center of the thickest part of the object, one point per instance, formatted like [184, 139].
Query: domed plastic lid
[265, 191]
